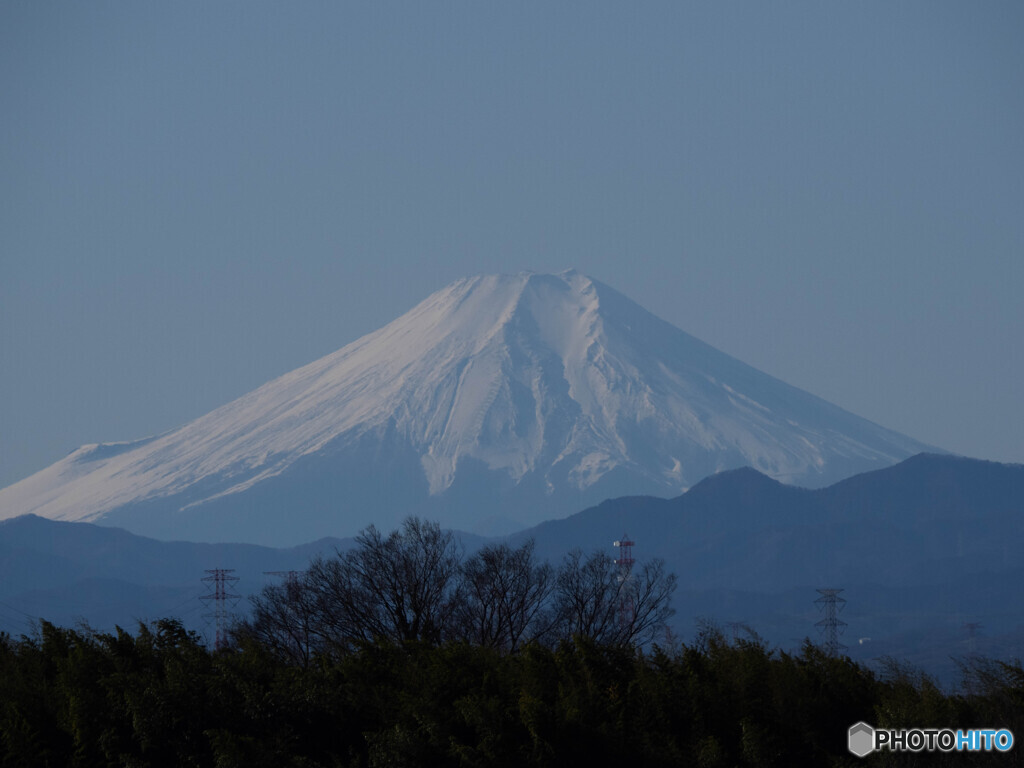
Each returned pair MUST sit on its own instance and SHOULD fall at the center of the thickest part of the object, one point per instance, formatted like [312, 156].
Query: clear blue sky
[197, 197]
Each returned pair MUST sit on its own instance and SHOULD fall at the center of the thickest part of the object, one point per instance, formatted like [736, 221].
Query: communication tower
[627, 605]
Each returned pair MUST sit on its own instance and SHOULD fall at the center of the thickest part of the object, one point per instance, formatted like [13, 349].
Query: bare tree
[596, 598]
[402, 587]
[586, 596]
[505, 595]
[412, 585]
[651, 591]
[286, 619]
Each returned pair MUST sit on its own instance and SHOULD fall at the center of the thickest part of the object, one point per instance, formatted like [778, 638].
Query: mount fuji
[497, 401]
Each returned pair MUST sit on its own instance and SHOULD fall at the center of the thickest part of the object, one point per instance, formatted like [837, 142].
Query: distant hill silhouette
[931, 516]
[920, 548]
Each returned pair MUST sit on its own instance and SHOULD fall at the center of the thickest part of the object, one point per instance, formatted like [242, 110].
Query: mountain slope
[525, 396]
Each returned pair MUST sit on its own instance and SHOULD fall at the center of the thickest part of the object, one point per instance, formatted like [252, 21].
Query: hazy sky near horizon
[196, 197]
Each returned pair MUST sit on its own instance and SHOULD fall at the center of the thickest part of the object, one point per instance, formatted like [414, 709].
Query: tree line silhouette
[401, 652]
[413, 585]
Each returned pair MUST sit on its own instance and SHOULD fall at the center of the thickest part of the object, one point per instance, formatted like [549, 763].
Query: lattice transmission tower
[223, 597]
[830, 626]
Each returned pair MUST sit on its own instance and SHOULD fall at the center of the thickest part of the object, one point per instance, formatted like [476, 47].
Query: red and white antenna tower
[221, 596]
[627, 605]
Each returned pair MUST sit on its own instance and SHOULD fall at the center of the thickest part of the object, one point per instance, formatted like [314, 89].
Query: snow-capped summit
[525, 397]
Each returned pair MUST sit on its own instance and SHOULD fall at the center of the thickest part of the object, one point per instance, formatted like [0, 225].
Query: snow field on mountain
[550, 382]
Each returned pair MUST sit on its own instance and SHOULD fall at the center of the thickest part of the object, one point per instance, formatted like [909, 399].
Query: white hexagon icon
[861, 739]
